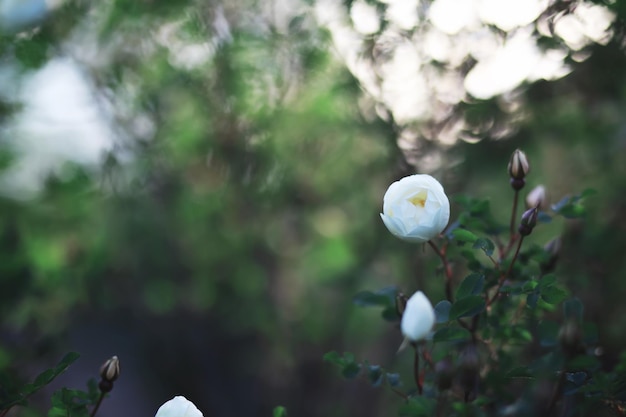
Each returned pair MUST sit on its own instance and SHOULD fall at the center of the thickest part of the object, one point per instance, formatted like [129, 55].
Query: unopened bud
[110, 371]
[518, 166]
[538, 197]
[444, 370]
[552, 249]
[529, 221]
[571, 337]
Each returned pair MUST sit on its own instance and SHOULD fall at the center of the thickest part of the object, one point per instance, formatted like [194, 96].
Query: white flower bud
[110, 370]
[518, 165]
[537, 197]
[418, 318]
[178, 407]
[416, 208]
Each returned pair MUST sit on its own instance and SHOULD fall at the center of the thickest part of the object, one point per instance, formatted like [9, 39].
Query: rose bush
[178, 407]
[416, 208]
[418, 318]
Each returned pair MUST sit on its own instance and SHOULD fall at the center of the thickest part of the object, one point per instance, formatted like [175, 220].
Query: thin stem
[447, 269]
[4, 412]
[400, 393]
[558, 390]
[513, 213]
[416, 370]
[504, 276]
[95, 409]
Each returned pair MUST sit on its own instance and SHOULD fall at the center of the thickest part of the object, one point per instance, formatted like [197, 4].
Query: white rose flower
[416, 208]
[418, 318]
[178, 407]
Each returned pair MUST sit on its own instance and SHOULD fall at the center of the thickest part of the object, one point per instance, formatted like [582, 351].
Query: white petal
[178, 407]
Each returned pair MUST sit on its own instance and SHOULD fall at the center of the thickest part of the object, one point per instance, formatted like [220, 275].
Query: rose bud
[529, 221]
[418, 318]
[416, 208]
[537, 197]
[110, 371]
[518, 169]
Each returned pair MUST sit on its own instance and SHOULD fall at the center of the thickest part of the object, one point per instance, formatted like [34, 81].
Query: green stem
[513, 213]
[416, 370]
[95, 409]
[447, 270]
[504, 276]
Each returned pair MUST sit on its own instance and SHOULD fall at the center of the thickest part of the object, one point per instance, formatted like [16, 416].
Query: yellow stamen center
[419, 200]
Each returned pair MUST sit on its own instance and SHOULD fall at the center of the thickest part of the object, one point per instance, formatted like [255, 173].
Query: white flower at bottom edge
[418, 318]
[415, 208]
[178, 407]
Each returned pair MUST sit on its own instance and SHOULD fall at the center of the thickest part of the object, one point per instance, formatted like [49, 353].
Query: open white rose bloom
[418, 318]
[416, 208]
[178, 407]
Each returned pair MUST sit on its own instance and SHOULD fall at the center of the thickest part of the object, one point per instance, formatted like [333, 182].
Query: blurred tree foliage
[237, 209]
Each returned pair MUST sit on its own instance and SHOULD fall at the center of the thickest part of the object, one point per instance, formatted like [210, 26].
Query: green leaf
[334, 357]
[467, 307]
[553, 295]
[463, 235]
[442, 311]
[449, 334]
[390, 314]
[279, 411]
[351, 370]
[471, 285]
[485, 244]
[547, 281]
[44, 378]
[384, 297]
[66, 361]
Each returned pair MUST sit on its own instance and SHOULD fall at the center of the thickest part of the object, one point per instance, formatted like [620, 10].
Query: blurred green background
[195, 185]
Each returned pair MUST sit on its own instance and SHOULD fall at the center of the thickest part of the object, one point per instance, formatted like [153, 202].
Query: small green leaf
[68, 359]
[449, 334]
[463, 235]
[588, 192]
[442, 311]
[351, 370]
[390, 314]
[418, 407]
[471, 285]
[553, 295]
[335, 358]
[485, 244]
[467, 307]
[44, 378]
[547, 281]
[279, 411]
